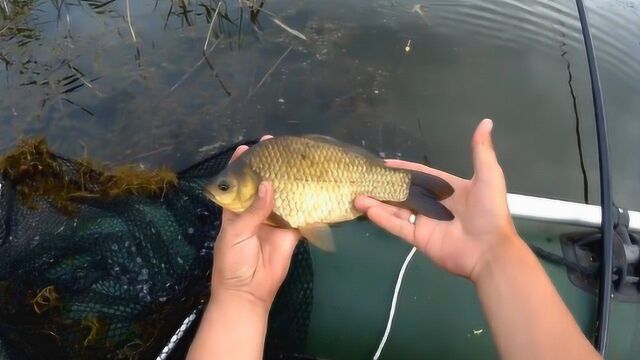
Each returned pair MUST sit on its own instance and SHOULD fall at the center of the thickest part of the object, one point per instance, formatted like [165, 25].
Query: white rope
[394, 301]
[178, 334]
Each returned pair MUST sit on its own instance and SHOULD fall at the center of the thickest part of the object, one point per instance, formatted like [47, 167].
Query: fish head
[235, 188]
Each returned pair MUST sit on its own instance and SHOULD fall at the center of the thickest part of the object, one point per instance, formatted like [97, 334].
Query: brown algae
[37, 172]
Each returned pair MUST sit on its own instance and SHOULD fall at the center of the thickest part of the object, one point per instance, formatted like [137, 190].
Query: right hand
[482, 222]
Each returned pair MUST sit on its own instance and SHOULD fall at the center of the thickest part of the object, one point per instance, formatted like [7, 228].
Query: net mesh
[118, 277]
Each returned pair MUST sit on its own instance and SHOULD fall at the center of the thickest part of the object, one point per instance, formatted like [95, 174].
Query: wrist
[233, 323]
[508, 254]
[239, 301]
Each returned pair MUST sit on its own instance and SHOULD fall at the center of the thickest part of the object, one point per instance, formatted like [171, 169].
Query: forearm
[233, 327]
[527, 316]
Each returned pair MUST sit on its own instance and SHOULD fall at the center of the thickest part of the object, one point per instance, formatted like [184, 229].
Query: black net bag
[122, 277]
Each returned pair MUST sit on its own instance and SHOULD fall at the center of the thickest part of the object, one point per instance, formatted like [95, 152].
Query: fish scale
[316, 182]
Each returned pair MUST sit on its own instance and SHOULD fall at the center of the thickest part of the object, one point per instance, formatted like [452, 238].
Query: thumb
[258, 212]
[485, 163]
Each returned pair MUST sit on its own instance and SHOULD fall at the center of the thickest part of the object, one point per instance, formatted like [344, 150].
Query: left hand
[482, 224]
[251, 258]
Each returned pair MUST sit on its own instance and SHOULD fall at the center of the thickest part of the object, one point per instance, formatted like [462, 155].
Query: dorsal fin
[352, 148]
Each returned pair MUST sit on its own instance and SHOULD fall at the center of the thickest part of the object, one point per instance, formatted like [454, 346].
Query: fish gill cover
[99, 263]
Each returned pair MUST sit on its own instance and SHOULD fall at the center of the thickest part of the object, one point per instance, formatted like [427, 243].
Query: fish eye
[223, 185]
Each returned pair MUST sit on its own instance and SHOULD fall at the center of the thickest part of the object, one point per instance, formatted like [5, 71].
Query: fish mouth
[209, 194]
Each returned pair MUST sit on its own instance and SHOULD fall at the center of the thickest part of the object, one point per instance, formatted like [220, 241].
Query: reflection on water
[133, 84]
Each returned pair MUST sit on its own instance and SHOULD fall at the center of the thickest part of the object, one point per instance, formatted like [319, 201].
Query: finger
[407, 165]
[485, 163]
[228, 216]
[239, 150]
[242, 148]
[364, 203]
[419, 167]
[248, 221]
[396, 226]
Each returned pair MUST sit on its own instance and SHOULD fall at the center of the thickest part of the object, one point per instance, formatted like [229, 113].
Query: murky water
[133, 86]
[406, 79]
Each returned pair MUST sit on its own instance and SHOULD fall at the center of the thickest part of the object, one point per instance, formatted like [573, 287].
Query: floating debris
[422, 11]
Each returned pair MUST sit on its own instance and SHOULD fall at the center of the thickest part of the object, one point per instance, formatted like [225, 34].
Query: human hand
[252, 258]
[482, 221]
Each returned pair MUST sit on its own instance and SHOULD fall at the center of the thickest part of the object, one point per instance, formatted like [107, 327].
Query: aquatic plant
[37, 172]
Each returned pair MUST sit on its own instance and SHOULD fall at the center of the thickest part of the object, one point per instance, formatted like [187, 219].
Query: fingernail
[262, 190]
[490, 125]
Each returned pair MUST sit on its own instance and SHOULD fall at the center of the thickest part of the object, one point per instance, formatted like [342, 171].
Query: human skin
[527, 316]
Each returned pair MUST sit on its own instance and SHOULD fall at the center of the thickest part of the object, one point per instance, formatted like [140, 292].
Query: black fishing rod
[604, 292]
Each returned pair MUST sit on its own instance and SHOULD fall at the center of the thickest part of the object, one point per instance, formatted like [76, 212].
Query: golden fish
[315, 180]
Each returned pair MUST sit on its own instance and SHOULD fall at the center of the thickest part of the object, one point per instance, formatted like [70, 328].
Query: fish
[315, 181]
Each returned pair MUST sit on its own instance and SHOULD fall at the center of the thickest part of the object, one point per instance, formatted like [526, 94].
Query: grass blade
[213, 19]
[292, 31]
[133, 34]
[270, 71]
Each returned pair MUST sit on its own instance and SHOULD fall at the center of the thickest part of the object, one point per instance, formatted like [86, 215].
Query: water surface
[74, 72]
[407, 79]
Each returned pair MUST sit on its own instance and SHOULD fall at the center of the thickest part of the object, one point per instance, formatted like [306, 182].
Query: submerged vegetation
[15, 25]
[157, 81]
[36, 172]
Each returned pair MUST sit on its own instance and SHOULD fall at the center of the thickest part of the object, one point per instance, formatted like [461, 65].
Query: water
[72, 71]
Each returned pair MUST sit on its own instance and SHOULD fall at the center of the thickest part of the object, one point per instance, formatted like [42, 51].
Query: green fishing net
[120, 276]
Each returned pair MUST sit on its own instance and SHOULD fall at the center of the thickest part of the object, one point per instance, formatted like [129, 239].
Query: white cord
[178, 334]
[392, 312]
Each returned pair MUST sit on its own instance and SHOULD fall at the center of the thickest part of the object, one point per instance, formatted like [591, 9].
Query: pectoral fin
[277, 221]
[319, 235]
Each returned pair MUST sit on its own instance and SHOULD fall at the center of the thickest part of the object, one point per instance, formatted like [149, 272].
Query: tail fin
[425, 193]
